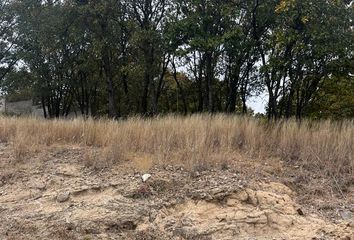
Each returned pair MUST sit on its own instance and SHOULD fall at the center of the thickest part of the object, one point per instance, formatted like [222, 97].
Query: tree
[42, 29]
[118, 58]
[106, 22]
[149, 17]
[309, 37]
[241, 56]
[334, 99]
[7, 38]
[204, 24]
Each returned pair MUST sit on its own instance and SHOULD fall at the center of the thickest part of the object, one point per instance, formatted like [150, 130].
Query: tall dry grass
[194, 141]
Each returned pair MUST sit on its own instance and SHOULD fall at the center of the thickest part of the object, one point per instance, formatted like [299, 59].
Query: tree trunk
[234, 84]
[185, 109]
[233, 94]
[109, 83]
[159, 85]
[209, 87]
[200, 86]
[44, 108]
[289, 104]
[148, 68]
[244, 104]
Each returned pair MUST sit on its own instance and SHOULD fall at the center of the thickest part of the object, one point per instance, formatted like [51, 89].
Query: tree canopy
[118, 58]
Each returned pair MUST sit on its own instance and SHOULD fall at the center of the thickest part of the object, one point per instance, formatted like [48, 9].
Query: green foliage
[7, 37]
[334, 99]
[119, 58]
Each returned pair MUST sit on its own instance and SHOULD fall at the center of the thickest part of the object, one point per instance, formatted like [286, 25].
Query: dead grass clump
[199, 141]
[113, 154]
[90, 159]
[106, 157]
[7, 128]
[23, 146]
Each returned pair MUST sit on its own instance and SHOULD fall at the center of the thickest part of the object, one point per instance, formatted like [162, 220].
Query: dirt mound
[61, 198]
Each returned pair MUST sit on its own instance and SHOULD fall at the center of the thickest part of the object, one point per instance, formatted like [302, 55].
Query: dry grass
[195, 141]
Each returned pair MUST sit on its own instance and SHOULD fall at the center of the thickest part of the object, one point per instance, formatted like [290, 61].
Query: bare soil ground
[55, 194]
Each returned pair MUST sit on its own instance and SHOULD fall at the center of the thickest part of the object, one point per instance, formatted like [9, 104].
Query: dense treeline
[122, 57]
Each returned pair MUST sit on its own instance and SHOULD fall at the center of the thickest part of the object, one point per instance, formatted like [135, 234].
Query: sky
[258, 103]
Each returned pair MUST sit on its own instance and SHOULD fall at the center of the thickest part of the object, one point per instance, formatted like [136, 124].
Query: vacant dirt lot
[57, 194]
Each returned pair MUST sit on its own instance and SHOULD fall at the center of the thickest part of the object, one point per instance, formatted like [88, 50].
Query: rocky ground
[53, 195]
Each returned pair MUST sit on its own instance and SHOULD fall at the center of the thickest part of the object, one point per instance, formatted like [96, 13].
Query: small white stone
[145, 177]
[346, 215]
[63, 197]
[41, 186]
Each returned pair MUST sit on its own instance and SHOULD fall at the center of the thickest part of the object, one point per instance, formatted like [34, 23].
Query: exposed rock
[267, 215]
[145, 177]
[116, 204]
[40, 185]
[63, 197]
[346, 215]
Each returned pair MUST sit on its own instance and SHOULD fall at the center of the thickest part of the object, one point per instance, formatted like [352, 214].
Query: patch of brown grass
[23, 144]
[195, 141]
